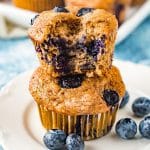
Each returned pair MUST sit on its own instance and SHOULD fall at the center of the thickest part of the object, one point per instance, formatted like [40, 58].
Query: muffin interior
[69, 49]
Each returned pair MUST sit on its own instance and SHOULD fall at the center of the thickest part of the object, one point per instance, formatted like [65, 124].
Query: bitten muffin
[86, 106]
[117, 7]
[38, 5]
[74, 41]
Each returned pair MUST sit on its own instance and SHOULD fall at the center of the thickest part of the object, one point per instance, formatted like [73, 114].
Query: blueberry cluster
[126, 128]
[56, 139]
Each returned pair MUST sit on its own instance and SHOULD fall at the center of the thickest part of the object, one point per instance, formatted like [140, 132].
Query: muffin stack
[76, 87]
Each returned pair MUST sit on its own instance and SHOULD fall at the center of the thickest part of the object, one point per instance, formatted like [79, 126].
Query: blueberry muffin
[137, 2]
[101, 4]
[120, 9]
[76, 104]
[37, 5]
[74, 41]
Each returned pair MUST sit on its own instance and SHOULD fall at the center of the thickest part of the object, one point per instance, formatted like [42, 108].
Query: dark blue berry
[125, 100]
[60, 9]
[141, 106]
[61, 44]
[55, 139]
[74, 142]
[70, 81]
[144, 127]
[60, 63]
[94, 47]
[33, 19]
[126, 128]
[84, 11]
[111, 97]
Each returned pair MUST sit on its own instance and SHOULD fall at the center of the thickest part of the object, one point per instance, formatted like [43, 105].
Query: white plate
[20, 124]
[134, 17]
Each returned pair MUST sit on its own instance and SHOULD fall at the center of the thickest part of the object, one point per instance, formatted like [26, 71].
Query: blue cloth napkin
[136, 47]
[17, 56]
[1, 148]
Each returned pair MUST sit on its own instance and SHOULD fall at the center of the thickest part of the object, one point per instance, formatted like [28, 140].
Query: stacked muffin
[76, 87]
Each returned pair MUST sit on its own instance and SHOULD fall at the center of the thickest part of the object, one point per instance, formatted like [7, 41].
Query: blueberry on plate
[74, 142]
[125, 100]
[144, 127]
[141, 106]
[126, 128]
[84, 11]
[54, 139]
[70, 81]
[111, 97]
[60, 9]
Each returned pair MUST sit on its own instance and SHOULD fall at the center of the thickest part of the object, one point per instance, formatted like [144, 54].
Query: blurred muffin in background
[117, 7]
[103, 4]
[137, 2]
[38, 5]
[120, 9]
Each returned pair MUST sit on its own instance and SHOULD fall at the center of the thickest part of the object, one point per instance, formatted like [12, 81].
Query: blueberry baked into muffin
[74, 40]
[77, 104]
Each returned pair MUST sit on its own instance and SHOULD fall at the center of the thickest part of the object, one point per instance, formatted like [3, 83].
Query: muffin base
[87, 126]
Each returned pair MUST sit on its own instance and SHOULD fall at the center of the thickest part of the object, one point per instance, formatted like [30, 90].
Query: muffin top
[72, 22]
[76, 95]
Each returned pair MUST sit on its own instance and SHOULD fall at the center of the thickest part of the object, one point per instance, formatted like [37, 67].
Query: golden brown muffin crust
[86, 99]
[46, 22]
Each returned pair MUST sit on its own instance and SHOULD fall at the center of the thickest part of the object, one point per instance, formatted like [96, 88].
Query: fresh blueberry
[84, 11]
[144, 127]
[126, 128]
[33, 19]
[71, 81]
[54, 139]
[60, 9]
[74, 142]
[141, 106]
[111, 97]
[125, 100]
